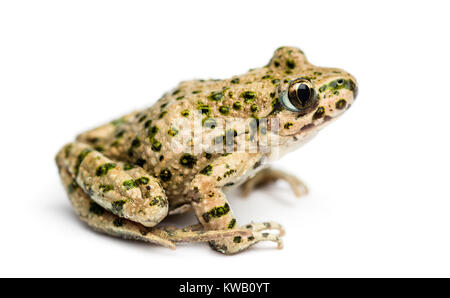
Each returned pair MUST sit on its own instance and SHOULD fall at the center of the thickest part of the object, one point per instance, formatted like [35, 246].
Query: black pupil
[303, 94]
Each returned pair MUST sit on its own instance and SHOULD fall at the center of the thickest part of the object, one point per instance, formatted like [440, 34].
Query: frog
[124, 178]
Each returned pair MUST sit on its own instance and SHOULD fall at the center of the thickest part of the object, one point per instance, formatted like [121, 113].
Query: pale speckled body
[143, 139]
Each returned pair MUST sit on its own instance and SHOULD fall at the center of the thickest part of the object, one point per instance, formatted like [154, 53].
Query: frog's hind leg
[267, 176]
[103, 221]
[127, 191]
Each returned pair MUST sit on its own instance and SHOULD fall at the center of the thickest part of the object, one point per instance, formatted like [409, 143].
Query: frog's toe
[268, 176]
[268, 225]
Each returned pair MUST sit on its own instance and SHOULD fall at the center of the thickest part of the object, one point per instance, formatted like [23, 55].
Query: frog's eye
[300, 96]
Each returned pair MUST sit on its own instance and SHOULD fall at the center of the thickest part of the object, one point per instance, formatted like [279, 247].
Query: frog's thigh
[268, 175]
[212, 208]
[126, 191]
[103, 221]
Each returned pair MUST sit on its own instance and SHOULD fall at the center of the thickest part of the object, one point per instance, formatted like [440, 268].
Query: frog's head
[309, 97]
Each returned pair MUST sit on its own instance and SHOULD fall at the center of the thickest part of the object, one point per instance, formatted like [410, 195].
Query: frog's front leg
[268, 175]
[127, 191]
[213, 210]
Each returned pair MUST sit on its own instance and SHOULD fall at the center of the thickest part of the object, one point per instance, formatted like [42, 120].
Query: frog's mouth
[311, 127]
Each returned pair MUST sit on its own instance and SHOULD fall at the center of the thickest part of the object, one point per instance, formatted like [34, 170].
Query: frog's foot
[259, 232]
[268, 176]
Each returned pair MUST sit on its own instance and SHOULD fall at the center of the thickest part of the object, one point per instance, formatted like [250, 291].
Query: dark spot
[290, 63]
[188, 161]
[208, 155]
[165, 175]
[207, 170]
[72, 187]
[235, 81]
[162, 114]
[320, 112]
[156, 145]
[204, 109]
[216, 212]
[237, 105]
[129, 184]
[80, 159]
[341, 104]
[276, 82]
[176, 92]
[96, 209]
[105, 187]
[179, 97]
[216, 96]
[185, 113]
[288, 125]
[327, 118]
[232, 223]
[237, 239]
[248, 96]
[172, 132]
[104, 169]
[141, 162]
[147, 123]
[117, 206]
[224, 110]
[254, 108]
[142, 181]
[118, 222]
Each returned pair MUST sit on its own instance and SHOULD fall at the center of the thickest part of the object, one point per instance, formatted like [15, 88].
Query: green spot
[196, 92]
[129, 184]
[156, 145]
[128, 167]
[208, 155]
[323, 88]
[320, 112]
[276, 63]
[165, 175]
[117, 206]
[229, 173]
[176, 92]
[341, 103]
[237, 239]
[80, 159]
[237, 105]
[162, 114]
[158, 200]
[224, 110]
[142, 181]
[216, 96]
[185, 113]
[153, 131]
[232, 223]
[207, 170]
[209, 123]
[216, 212]
[104, 169]
[254, 108]
[172, 131]
[188, 161]
[276, 82]
[106, 187]
[179, 98]
[96, 209]
[205, 109]
[235, 81]
[248, 96]
[288, 125]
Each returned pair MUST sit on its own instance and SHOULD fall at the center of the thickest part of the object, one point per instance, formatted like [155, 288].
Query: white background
[379, 176]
